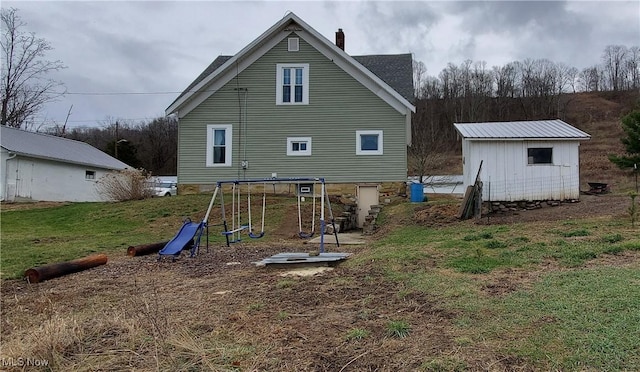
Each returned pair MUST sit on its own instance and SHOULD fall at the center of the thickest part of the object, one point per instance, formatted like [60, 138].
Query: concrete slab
[306, 271]
[344, 238]
[303, 259]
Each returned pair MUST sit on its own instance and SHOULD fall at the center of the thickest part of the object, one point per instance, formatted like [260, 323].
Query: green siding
[338, 106]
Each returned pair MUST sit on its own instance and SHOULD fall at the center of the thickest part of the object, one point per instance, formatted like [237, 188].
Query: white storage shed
[522, 160]
[37, 166]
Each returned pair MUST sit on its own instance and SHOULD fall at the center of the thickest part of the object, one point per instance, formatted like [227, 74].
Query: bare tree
[419, 76]
[614, 67]
[633, 67]
[159, 145]
[25, 86]
[590, 79]
[428, 148]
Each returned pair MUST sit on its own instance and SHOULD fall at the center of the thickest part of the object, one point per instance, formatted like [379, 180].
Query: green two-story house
[294, 104]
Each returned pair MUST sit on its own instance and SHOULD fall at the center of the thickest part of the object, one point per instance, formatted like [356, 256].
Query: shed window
[540, 155]
[90, 175]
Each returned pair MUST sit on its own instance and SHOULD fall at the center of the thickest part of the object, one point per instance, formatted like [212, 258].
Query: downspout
[6, 174]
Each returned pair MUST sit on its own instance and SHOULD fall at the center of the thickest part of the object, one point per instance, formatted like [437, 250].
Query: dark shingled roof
[207, 71]
[394, 69]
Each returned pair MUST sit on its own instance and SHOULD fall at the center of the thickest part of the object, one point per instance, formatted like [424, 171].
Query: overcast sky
[159, 47]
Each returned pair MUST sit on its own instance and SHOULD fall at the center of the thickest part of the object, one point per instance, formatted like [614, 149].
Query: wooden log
[143, 249]
[42, 273]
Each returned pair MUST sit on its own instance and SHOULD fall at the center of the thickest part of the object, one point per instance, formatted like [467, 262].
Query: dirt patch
[589, 206]
[30, 205]
[218, 311]
[293, 323]
[436, 215]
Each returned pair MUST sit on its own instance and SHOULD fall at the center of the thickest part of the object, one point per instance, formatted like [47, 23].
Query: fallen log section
[42, 273]
[143, 249]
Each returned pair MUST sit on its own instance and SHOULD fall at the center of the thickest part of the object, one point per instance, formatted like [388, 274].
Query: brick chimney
[340, 39]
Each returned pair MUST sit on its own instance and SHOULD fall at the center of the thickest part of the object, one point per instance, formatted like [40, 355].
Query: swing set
[234, 227]
[191, 233]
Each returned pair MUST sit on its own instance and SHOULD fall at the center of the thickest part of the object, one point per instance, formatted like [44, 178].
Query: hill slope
[597, 113]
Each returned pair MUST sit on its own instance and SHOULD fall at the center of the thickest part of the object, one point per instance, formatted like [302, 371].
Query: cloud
[161, 46]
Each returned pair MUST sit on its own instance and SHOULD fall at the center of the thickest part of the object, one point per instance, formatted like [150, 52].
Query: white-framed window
[298, 146]
[90, 175]
[219, 145]
[369, 142]
[540, 155]
[293, 44]
[292, 84]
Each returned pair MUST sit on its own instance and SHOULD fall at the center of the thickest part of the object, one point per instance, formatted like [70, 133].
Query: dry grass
[201, 314]
[599, 115]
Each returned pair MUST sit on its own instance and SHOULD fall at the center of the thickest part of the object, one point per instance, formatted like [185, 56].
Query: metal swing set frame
[232, 234]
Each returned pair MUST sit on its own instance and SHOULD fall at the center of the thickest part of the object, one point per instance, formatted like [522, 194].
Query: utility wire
[129, 93]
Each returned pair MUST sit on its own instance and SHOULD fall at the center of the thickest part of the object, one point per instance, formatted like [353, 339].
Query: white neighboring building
[37, 166]
[522, 160]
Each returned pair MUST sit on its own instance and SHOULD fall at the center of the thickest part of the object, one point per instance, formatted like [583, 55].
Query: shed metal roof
[519, 130]
[45, 146]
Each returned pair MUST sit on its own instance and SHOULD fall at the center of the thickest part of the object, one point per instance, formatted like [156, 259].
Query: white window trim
[379, 151]
[228, 142]
[305, 83]
[306, 152]
[90, 175]
[293, 44]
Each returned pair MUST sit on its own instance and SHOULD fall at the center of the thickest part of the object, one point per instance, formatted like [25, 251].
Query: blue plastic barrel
[417, 193]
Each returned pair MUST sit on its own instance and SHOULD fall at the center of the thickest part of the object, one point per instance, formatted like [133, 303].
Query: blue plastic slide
[183, 238]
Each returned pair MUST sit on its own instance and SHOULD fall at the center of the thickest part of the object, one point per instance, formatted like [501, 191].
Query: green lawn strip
[33, 237]
[596, 317]
[481, 249]
[41, 236]
[583, 319]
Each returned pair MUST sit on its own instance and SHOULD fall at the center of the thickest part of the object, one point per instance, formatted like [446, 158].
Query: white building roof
[44, 146]
[519, 130]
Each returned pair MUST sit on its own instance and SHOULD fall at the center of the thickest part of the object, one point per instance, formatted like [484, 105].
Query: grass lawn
[543, 295]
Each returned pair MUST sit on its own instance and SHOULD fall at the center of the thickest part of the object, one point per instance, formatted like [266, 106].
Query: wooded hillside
[597, 113]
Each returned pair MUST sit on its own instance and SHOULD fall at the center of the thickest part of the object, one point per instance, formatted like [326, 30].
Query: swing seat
[256, 236]
[235, 231]
[304, 235]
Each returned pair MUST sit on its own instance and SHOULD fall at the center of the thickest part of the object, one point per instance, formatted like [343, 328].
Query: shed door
[24, 178]
[367, 196]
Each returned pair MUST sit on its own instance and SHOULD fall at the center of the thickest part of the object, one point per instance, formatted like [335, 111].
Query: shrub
[493, 244]
[357, 334]
[398, 328]
[127, 184]
[612, 238]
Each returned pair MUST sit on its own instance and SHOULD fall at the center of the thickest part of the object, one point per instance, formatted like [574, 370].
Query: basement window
[90, 175]
[369, 142]
[540, 155]
[298, 146]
